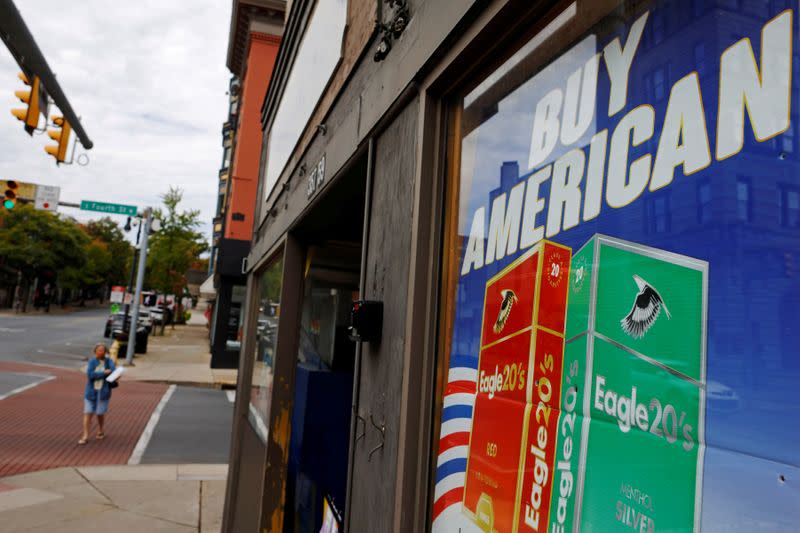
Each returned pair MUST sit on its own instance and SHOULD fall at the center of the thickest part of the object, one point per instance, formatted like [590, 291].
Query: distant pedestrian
[97, 392]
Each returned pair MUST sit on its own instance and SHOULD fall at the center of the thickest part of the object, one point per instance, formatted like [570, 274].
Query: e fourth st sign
[114, 209]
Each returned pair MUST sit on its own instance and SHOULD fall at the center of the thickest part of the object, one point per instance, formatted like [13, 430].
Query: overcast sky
[148, 79]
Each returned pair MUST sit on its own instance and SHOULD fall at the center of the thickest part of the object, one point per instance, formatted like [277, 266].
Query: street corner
[41, 411]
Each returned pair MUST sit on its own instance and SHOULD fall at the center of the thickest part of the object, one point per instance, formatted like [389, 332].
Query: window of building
[700, 58]
[704, 201]
[733, 5]
[777, 6]
[790, 207]
[316, 59]
[659, 27]
[657, 83]
[699, 7]
[788, 138]
[657, 213]
[226, 157]
[270, 284]
[744, 200]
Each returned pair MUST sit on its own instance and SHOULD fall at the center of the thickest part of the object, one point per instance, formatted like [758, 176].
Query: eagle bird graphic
[645, 310]
[509, 299]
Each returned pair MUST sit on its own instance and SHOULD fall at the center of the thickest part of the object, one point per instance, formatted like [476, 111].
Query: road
[64, 340]
[41, 389]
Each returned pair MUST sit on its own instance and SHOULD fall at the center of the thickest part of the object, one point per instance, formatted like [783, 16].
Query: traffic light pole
[19, 41]
[129, 288]
[147, 220]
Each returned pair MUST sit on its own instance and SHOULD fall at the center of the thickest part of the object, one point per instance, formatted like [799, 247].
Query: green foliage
[36, 242]
[120, 252]
[82, 257]
[175, 246]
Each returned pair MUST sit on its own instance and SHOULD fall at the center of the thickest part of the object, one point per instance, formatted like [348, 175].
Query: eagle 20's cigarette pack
[509, 476]
[633, 394]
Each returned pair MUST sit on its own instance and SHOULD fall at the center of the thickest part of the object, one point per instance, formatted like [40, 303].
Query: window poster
[623, 346]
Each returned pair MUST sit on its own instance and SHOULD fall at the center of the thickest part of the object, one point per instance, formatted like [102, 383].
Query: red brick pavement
[40, 427]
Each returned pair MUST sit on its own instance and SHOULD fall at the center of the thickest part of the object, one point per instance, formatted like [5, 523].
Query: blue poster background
[741, 215]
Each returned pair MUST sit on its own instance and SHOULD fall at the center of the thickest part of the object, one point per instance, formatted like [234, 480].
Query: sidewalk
[151, 498]
[181, 356]
[54, 309]
[41, 425]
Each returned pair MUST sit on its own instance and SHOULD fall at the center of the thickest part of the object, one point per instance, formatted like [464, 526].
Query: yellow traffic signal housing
[29, 115]
[61, 136]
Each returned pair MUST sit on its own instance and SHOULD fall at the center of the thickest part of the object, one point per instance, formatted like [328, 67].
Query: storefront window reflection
[619, 334]
[269, 307]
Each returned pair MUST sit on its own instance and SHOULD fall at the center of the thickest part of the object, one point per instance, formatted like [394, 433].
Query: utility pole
[133, 270]
[147, 220]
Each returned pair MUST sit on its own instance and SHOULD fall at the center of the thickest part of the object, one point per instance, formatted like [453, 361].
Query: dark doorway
[317, 470]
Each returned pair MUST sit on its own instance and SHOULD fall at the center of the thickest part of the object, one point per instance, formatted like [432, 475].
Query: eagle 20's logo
[645, 310]
[509, 299]
[556, 267]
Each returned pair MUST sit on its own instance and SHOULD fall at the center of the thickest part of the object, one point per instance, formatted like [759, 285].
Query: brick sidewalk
[41, 426]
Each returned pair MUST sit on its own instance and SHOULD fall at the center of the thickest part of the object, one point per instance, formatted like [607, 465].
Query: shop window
[594, 193]
[657, 214]
[270, 283]
[744, 200]
[314, 63]
[790, 207]
[704, 201]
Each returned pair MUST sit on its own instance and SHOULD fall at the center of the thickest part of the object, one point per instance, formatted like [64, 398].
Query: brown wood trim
[240, 407]
[416, 428]
[362, 285]
[280, 410]
[449, 279]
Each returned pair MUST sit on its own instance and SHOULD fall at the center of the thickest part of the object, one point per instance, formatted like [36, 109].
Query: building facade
[255, 35]
[524, 266]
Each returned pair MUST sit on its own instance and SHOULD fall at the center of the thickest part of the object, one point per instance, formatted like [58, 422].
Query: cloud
[148, 79]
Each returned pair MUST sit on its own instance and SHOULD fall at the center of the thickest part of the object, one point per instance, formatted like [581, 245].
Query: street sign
[104, 207]
[117, 294]
[47, 197]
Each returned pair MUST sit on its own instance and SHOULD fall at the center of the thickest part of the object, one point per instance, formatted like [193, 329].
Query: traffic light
[9, 188]
[61, 136]
[29, 115]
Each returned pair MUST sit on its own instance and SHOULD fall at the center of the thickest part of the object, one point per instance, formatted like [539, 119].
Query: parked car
[146, 320]
[161, 315]
[118, 324]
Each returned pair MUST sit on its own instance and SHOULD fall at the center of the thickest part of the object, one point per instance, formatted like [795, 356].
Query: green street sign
[113, 209]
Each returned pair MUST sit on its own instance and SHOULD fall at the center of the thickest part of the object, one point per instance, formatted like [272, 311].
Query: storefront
[581, 221]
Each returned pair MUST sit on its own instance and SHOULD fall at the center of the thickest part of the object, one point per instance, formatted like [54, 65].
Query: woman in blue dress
[97, 392]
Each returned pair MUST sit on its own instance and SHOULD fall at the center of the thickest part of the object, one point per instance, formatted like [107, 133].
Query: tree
[120, 252]
[174, 247]
[37, 243]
